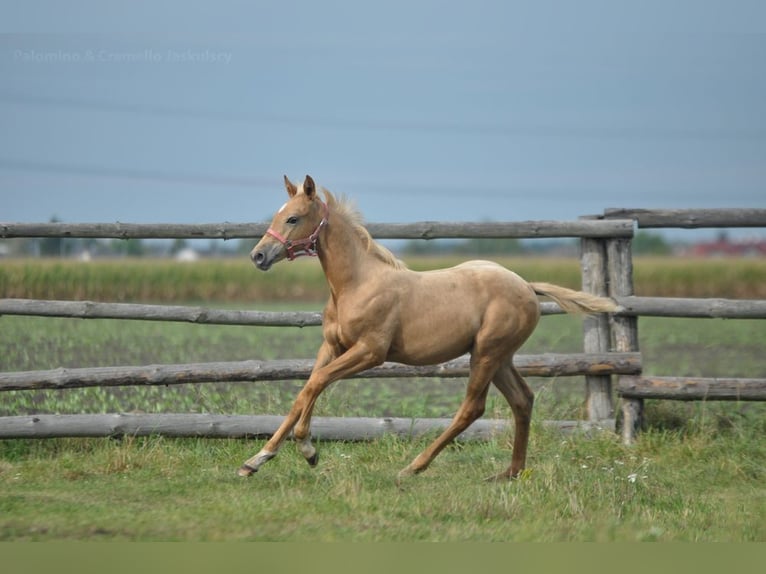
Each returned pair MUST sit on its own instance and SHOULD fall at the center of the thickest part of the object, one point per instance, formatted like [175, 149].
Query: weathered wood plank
[631, 306]
[252, 426]
[624, 328]
[688, 307]
[596, 336]
[134, 230]
[545, 365]
[691, 218]
[692, 388]
[515, 229]
[419, 230]
[199, 315]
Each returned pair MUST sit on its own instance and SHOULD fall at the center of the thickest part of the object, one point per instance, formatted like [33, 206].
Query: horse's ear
[290, 187]
[308, 187]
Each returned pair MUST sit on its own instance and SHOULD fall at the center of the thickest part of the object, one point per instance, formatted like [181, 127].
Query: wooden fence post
[624, 328]
[596, 336]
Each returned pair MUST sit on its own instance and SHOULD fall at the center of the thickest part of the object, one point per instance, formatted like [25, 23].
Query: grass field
[702, 484]
[697, 473]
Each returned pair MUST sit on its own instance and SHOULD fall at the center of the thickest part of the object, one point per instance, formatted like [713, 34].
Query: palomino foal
[381, 311]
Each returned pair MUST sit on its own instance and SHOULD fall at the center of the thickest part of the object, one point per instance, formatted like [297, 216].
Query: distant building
[723, 247]
[187, 254]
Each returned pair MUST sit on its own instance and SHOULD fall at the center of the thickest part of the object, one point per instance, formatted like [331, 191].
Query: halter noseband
[307, 245]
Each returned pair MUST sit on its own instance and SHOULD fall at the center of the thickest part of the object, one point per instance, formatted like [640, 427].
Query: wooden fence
[610, 342]
[615, 255]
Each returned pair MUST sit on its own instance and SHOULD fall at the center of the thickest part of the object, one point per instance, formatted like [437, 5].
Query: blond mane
[346, 209]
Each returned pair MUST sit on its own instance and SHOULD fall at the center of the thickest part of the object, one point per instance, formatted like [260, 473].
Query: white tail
[576, 302]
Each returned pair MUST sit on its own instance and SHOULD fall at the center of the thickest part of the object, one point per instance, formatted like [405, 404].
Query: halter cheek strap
[305, 246]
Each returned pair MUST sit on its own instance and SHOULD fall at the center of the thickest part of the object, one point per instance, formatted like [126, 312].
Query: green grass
[696, 474]
[700, 485]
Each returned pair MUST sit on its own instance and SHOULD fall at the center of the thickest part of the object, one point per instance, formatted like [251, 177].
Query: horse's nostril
[258, 257]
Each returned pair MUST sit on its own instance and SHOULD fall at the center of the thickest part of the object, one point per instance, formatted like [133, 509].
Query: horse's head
[295, 229]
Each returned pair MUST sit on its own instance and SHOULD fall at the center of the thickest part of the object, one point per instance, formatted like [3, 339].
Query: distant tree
[22, 246]
[129, 247]
[476, 246]
[52, 246]
[490, 246]
[245, 245]
[430, 247]
[135, 247]
[178, 246]
[647, 243]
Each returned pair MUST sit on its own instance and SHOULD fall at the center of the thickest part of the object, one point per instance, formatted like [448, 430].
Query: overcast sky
[168, 111]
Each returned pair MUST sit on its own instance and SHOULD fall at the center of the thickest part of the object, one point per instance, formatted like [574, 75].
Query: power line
[254, 182]
[420, 126]
[134, 174]
[500, 191]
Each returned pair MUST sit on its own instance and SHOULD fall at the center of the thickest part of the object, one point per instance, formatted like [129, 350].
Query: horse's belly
[428, 338]
[430, 351]
[442, 315]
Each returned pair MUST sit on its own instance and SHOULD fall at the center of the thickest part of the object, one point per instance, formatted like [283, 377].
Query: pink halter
[308, 245]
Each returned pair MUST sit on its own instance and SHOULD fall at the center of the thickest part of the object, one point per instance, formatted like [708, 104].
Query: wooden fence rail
[420, 230]
[631, 306]
[228, 426]
[179, 313]
[251, 426]
[712, 308]
[691, 218]
[692, 388]
[545, 365]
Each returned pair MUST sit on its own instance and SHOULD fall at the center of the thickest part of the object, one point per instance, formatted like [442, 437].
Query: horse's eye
[292, 220]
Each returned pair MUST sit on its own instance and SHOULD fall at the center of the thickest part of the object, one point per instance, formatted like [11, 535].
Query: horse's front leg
[358, 358]
[269, 451]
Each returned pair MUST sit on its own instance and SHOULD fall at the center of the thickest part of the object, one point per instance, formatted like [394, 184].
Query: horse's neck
[343, 256]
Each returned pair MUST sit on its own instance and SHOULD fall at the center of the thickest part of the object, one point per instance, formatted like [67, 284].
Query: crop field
[696, 473]
[235, 280]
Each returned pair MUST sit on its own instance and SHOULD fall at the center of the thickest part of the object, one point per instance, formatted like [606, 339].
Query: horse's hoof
[313, 460]
[246, 470]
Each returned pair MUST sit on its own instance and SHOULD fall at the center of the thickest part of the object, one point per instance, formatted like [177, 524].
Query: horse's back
[487, 276]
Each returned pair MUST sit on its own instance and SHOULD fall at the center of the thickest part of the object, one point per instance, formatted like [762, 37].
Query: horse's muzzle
[264, 256]
[261, 260]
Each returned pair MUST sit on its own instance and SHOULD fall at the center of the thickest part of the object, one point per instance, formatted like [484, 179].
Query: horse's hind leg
[518, 394]
[471, 409]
